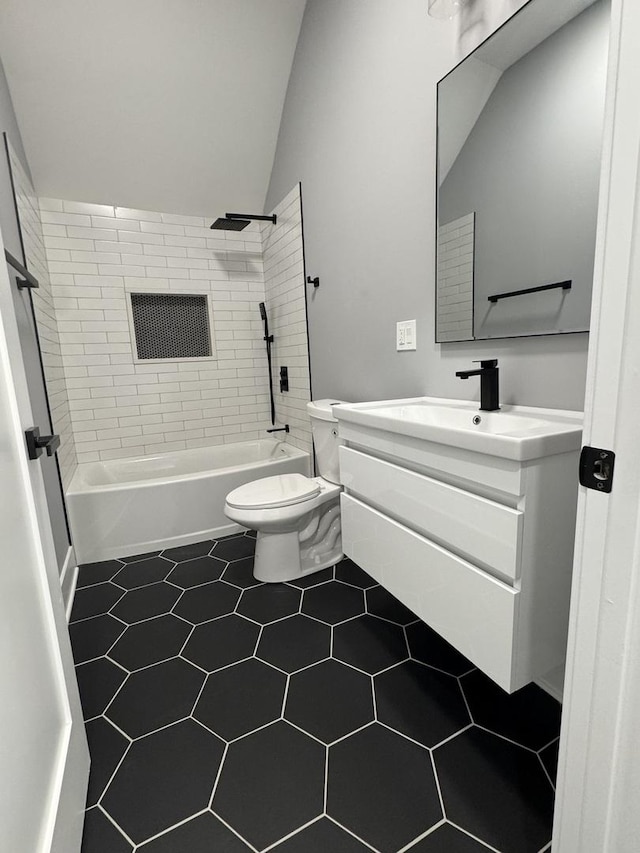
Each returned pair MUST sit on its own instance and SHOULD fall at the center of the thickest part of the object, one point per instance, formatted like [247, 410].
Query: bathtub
[130, 506]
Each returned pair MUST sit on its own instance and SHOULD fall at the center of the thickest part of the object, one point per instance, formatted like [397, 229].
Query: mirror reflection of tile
[454, 313]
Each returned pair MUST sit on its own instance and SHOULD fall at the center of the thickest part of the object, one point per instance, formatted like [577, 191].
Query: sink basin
[513, 432]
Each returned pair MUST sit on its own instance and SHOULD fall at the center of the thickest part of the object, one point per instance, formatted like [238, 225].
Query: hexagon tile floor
[320, 716]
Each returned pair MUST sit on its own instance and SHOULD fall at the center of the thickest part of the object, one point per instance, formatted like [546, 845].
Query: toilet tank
[325, 438]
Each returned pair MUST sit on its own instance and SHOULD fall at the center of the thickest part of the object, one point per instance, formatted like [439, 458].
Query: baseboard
[553, 682]
[69, 580]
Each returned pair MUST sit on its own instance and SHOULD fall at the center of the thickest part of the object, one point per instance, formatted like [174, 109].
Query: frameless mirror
[519, 147]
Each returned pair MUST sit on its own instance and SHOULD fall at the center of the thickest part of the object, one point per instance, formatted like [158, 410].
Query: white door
[597, 804]
[44, 760]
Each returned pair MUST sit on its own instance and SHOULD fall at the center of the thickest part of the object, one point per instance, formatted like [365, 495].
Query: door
[44, 761]
[599, 769]
[31, 357]
[25, 313]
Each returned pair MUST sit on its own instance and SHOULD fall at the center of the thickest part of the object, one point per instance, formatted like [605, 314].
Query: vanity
[468, 518]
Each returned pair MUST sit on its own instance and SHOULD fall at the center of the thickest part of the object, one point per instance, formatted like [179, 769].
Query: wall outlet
[405, 335]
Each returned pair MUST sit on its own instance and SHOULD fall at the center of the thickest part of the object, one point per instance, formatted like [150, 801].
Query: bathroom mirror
[519, 147]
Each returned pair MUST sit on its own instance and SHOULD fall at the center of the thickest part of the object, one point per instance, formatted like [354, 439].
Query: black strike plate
[596, 468]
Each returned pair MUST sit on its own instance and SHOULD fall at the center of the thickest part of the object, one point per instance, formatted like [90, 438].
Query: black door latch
[37, 443]
[596, 468]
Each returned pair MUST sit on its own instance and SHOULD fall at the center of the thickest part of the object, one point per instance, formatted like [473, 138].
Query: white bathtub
[129, 506]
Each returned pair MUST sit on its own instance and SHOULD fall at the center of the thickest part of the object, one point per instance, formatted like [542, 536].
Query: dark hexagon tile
[150, 642]
[320, 837]
[165, 778]
[421, 703]
[94, 637]
[203, 603]
[549, 758]
[269, 602]
[101, 836]
[348, 572]
[219, 643]
[381, 603]
[240, 574]
[313, 579]
[188, 552]
[369, 644]
[92, 573]
[329, 700]
[144, 603]
[495, 790]
[98, 682]
[280, 772]
[530, 717]
[429, 647]
[156, 697]
[447, 837]
[241, 698]
[202, 834]
[333, 602]
[382, 788]
[95, 600]
[198, 571]
[234, 547]
[251, 533]
[294, 643]
[106, 746]
[143, 572]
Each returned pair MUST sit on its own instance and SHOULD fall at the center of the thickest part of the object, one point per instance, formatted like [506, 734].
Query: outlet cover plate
[405, 335]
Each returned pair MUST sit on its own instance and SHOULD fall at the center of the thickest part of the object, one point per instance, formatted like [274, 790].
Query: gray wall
[9, 125]
[530, 169]
[358, 131]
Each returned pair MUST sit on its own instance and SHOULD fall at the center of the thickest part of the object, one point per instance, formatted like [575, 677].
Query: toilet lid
[272, 492]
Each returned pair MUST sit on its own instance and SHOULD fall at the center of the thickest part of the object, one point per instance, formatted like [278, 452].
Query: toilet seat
[273, 492]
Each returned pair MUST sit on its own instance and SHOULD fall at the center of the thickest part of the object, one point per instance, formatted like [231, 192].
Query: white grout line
[351, 833]
[231, 829]
[412, 844]
[171, 828]
[292, 834]
[475, 837]
[451, 737]
[113, 821]
[218, 774]
[505, 738]
[437, 781]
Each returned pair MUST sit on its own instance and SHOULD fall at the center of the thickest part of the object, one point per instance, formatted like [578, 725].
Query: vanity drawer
[473, 611]
[484, 532]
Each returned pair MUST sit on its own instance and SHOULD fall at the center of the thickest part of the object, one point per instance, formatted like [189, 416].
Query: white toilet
[297, 517]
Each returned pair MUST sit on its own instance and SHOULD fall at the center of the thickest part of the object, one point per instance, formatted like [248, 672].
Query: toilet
[297, 517]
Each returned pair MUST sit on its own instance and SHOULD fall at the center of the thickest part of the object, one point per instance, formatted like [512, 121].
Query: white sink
[513, 432]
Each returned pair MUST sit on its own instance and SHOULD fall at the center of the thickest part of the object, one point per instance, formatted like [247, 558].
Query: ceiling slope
[170, 105]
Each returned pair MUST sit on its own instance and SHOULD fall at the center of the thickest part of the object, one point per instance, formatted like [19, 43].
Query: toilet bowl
[297, 518]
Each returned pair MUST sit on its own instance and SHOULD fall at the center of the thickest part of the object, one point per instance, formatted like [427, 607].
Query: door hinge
[596, 468]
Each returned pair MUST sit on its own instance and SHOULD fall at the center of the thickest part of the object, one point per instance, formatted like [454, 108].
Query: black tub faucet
[488, 373]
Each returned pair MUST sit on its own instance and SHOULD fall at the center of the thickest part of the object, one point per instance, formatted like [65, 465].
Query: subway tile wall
[286, 303]
[456, 241]
[122, 407]
[47, 323]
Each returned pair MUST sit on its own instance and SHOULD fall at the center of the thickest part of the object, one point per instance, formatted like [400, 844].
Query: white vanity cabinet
[478, 546]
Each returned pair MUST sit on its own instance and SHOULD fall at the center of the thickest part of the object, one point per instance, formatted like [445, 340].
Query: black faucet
[488, 373]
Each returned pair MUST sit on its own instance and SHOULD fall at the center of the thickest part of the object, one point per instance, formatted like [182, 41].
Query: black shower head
[238, 221]
[263, 312]
[225, 224]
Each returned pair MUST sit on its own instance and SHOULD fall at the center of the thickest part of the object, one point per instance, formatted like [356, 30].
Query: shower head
[226, 224]
[263, 312]
[238, 221]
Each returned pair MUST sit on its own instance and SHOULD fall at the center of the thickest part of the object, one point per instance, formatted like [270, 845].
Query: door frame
[599, 764]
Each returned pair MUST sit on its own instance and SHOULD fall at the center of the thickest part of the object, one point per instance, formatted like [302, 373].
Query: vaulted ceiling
[169, 105]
